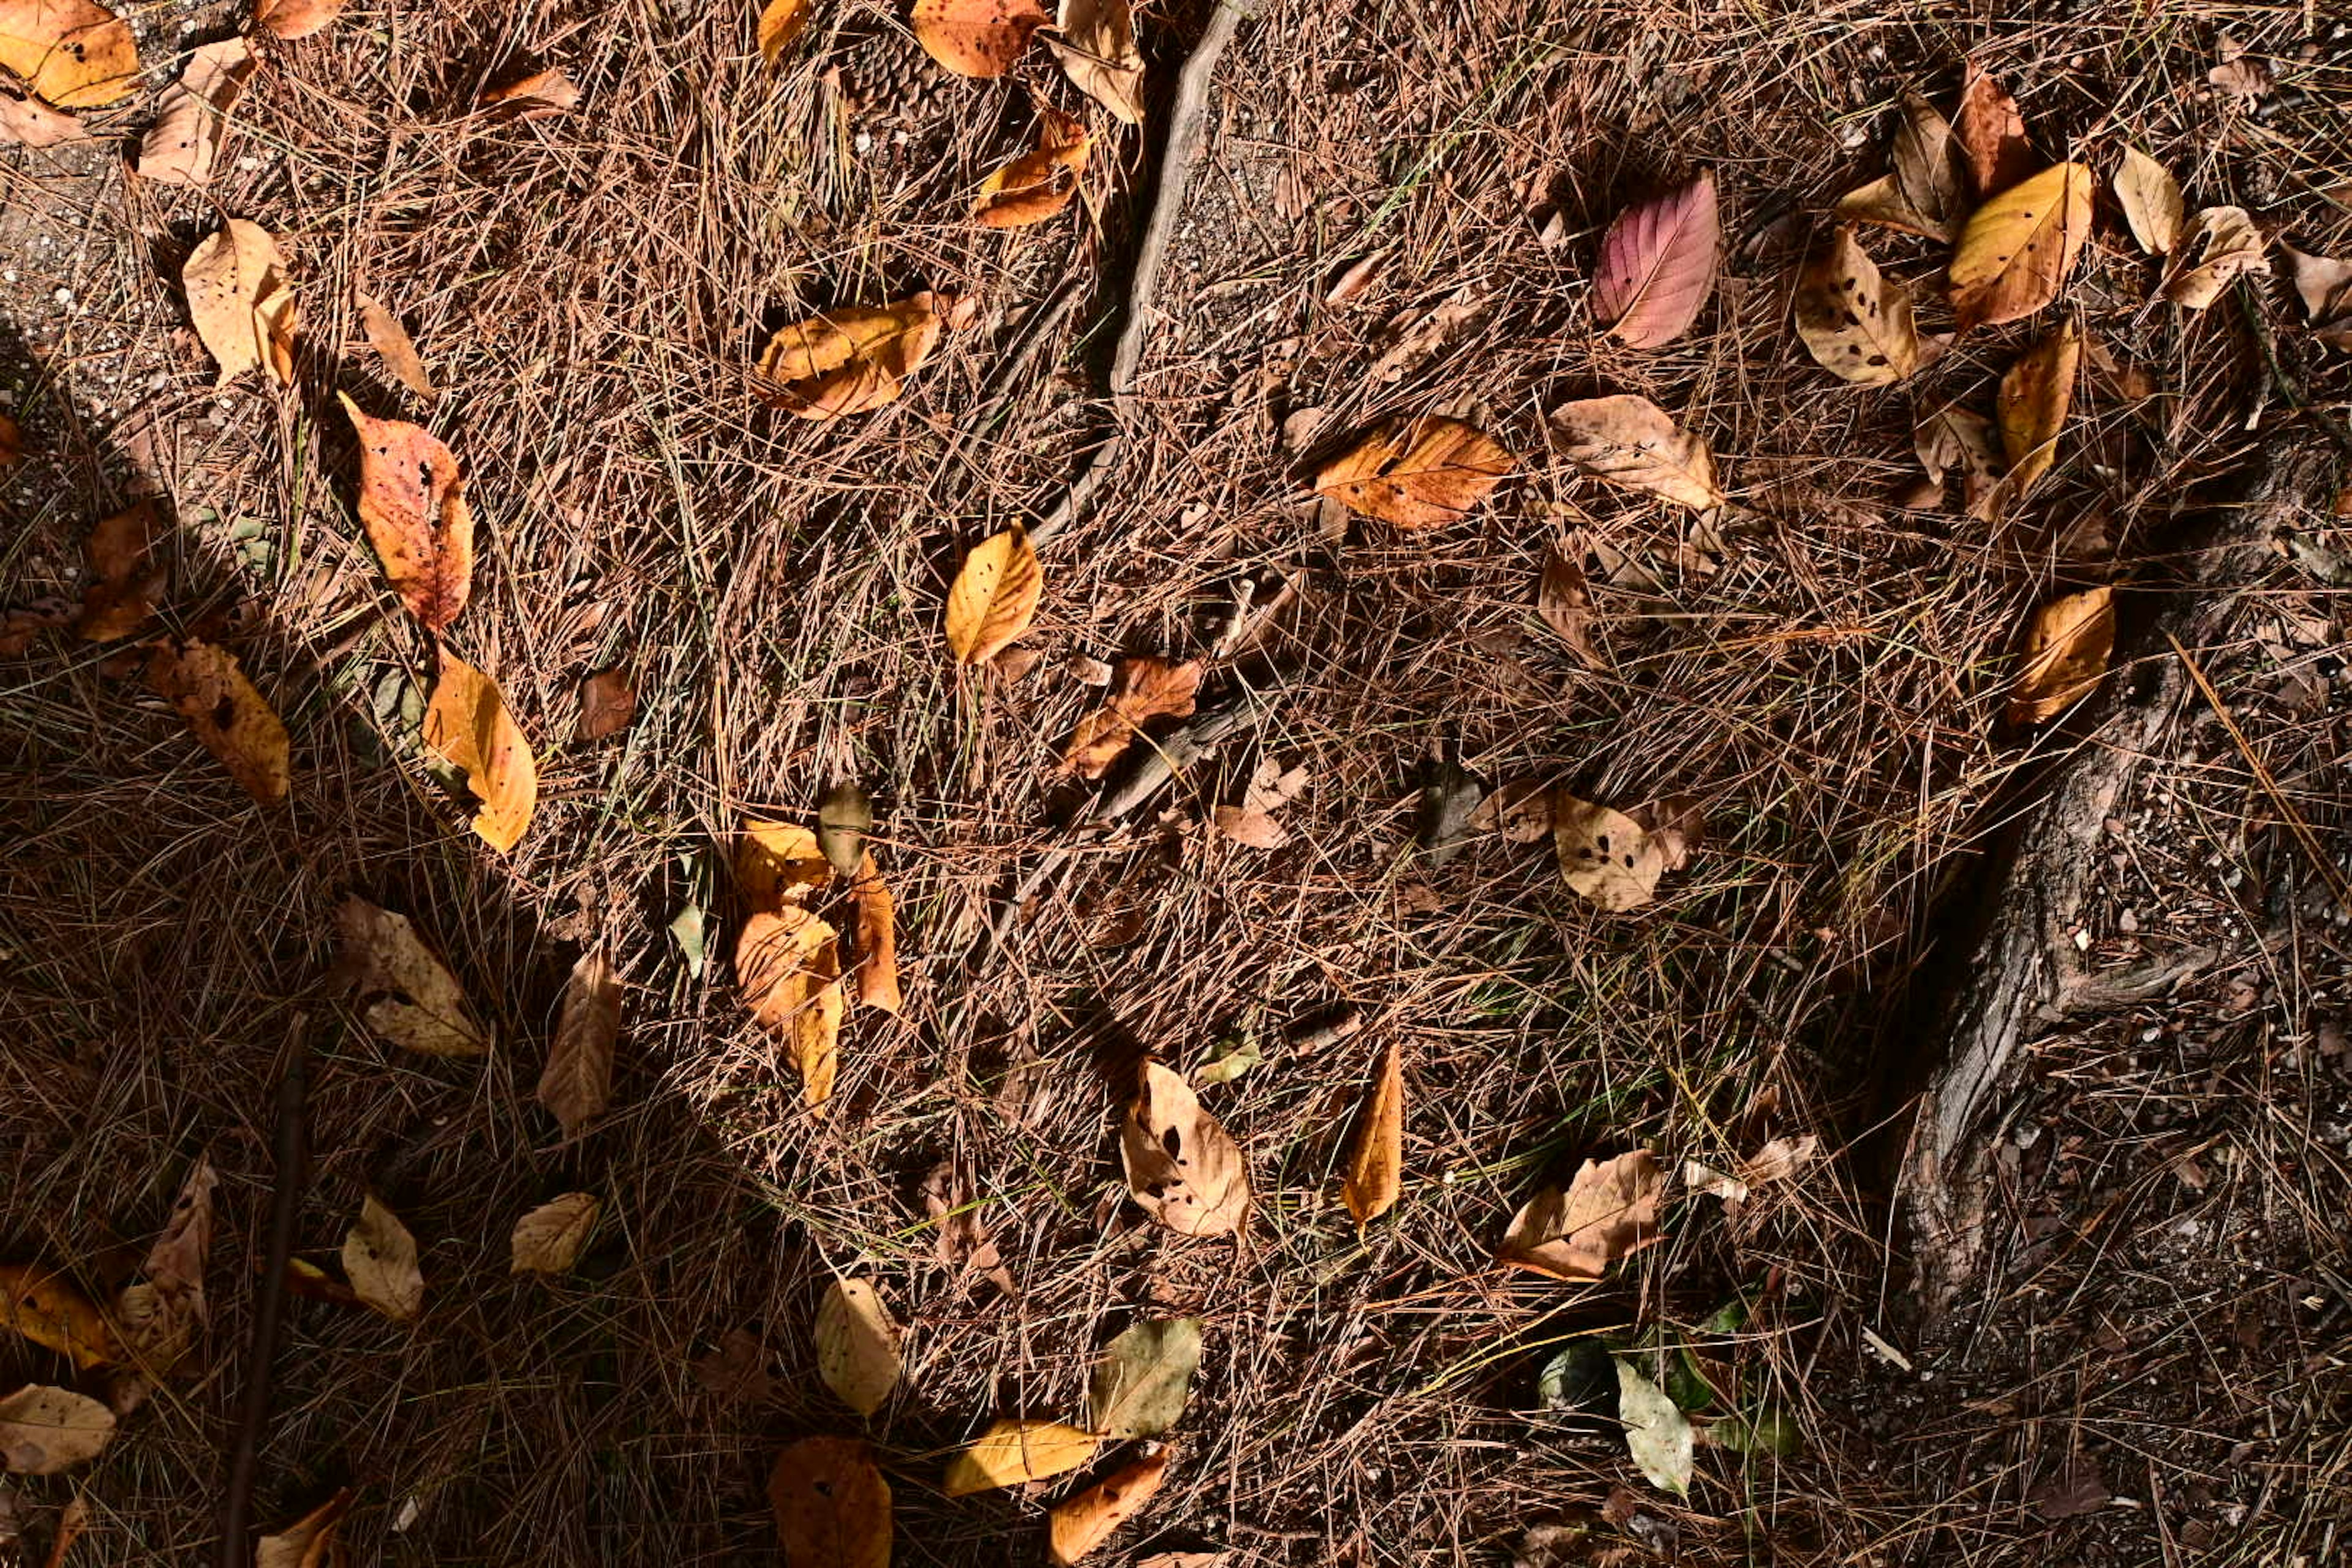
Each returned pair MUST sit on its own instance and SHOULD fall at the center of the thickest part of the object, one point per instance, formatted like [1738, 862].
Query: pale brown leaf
[2217, 246]
[240, 301]
[1991, 132]
[1564, 601]
[1182, 1168]
[192, 116]
[296, 18]
[1095, 42]
[1953, 440]
[158, 1316]
[404, 992]
[48, 1431]
[393, 345]
[857, 1345]
[547, 1239]
[379, 1260]
[608, 704]
[1604, 855]
[29, 123]
[2150, 198]
[539, 96]
[576, 1084]
[310, 1541]
[963, 1240]
[1631, 441]
[1856, 322]
[1925, 191]
[1607, 1212]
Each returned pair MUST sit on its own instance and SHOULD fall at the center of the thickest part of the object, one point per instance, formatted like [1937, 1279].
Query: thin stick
[269, 1300]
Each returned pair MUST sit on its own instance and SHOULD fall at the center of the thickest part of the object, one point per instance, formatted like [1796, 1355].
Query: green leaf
[1576, 1377]
[1657, 1434]
[1143, 1378]
[687, 926]
[1686, 1383]
[1766, 1427]
[844, 817]
[1236, 1054]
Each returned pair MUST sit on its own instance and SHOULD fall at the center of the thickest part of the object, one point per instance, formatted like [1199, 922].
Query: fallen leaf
[393, 345]
[1095, 42]
[539, 96]
[1080, 1524]
[406, 994]
[2065, 654]
[2076, 1488]
[2242, 78]
[994, 598]
[1143, 1378]
[29, 123]
[1657, 1432]
[1376, 1166]
[121, 598]
[1416, 473]
[48, 1431]
[607, 704]
[976, 38]
[192, 116]
[857, 1350]
[22, 624]
[1676, 824]
[789, 965]
[1657, 265]
[1039, 183]
[1779, 1160]
[229, 714]
[844, 817]
[1609, 1211]
[2034, 397]
[2216, 247]
[2325, 286]
[379, 1260]
[1450, 796]
[1925, 191]
[468, 723]
[1604, 855]
[832, 1505]
[1185, 1560]
[1233, 1057]
[48, 1310]
[1856, 322]
[781, 23]
[737, 1368]
[1421, 337]
[312, 1283]
[576, 1084]
[1251, 829]
[296, 18]
[2018, 247]
[2150, 198]
[309, 1541]
[1142, 690]
[1519, 810]
[547, 1239]
[413, 502]
[74, 54]
[72, 1520]
[240, 303]
[1182, 1168]
[963, 1240]
[157, 1317]
[877, 975]
[1952, 438]
[1564, 601]
[852, 360]
[778, 863]
[1014, 1450]
[1272, 785]
[1991, 132]
[1631, 441]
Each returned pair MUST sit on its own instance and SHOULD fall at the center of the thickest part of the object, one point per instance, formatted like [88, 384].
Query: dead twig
[293, 1155]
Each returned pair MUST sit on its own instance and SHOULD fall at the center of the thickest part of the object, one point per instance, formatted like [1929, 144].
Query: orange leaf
[73, 53]
[50, 1311]
[1142, 690]
[994, 598]
[413, 502]
[1041, 182]
[877, 941]
[394, 347]
[1657, 265]
[296, 18]
[123, 596]
[849, 361]
[789, 965]
[833, 1507]
[309, 1540]
[2019, 247]
[232, 718]
[240, 303]
[976, 38]
[535, 97]
[1416, 473]
[777, 863]
[1992, 132]
[1376, 1167]
[2065, 654]
[467, 722]
[781, 23]
[1609, 1211]
[1078, 1525]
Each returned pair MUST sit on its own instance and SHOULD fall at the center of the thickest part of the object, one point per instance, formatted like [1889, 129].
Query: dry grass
[591, 290]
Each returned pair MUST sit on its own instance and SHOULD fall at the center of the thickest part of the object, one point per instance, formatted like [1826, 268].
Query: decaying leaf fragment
[2216, 245]
[1416, 473]
[1271, 787]
[1018, 1449]
[2151, 201]
[1375, 1163]
[1607, 1212]
[296, 18]
[789, 965]
[1095, 42]
[994, 596]
[44, 1307]
[1143, 1378]
[156, 1317]
[1564, 601]
[123, 597]
[469, 722]
[963, 1239]
[29, 123]
[1142, 689]
[1039, 183]
[781, 23]
[240, 303]
[832, 1505]
[576, 1084]
[393, 345]
[1925, 191]
[47, 1431]
[857, 1352]
[413, 502]
[976, 38]
[851, 360]
[547, 1239]
[2018, 247]
[1954, 439]
[309, 1541]
[2035, 395]
[406, 994]
[379, 1260]
[1991, 132]
[227, 713]
[1184, 1169]
[608, 703]
[1605, 855]
[2065, 654]
[1078, 1525]
[73, 53]
[1631, 441]
[1856, 322]
[192, 116]
[1657, 265]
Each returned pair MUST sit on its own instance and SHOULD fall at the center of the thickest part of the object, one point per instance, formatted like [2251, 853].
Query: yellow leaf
[1095, 42]
[46, 1431]
[227, 713]
[1184, 1169]
[413, 502]
[379, 1260]
[1016, 1450]
[789, 965]
[849, 361]
[856, 1346]
[2217, 245]
[240, 303]
[2150, 198]
[192, 116]
[976, 38]
[406, 994]
[74, 54]
[877, 941]
[547, 1239]
[1416, 473]
[309, 1541]
[781, 23]
[778, 863]
[994, 598]
[1078, 1525]
[1854, 321]
[577, 1082]
[393, 345]
[1605, 855]
[1631, 441]
[48, 1310]
[1142, 690]
[1376, 1167]
[467, 722]
[1041, 182]
[832, 1505]
[2034, 397]
[2018, 247]
[1607, 1212]
[296, 18]
[2065, 654]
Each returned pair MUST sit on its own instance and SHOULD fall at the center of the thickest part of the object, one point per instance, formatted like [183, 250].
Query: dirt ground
[2155, 1367]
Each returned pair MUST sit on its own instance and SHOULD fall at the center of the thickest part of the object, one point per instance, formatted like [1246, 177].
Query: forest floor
[2155, 1367]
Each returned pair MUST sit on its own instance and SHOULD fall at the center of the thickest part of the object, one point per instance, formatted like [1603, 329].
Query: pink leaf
[1657, 266]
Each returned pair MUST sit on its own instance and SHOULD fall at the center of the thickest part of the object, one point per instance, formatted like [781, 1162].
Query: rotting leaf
[1080, 1523]
[1856, 322]
[1095, 42]
[2018, 247]
[607, 704]
[1657, 265]
[468, 723]
[407, 995]
[379, 1260]
[2035, 395]
[851, 360]
[240, 303]
[49, 1309]
[1991, 132]
[227, 713]
[413, 502]
[1040, 183]
[994, 596]
[1631, 441]
[1376, 1166]
[857, 1352]
[296, 18]
[1142, 689]
[832, 1505]
[1926, 190]
[781, 23]
[29, 123]
[788, 963]
[539, 96]
[877, 975]
[1954, 439]
[2067, 645]
[73, 53]
[393, 345]
[1564, 601]
[157, 1317]
[737, 1369]
[963, 1239]
[1608, 1211]
[1018, 1449]
[1184, 1169]
[976, 38]
[2150, 198]
[1143, 1378]
[48, 1431]
[309, 1541]
[1519, 810]
[120, 551]
[1450, 795]
[547, 1239]
[1657, 1432]
[2217, 246]
[1416, 473]
[1605, 855]
[192, 116]
[576, 1084]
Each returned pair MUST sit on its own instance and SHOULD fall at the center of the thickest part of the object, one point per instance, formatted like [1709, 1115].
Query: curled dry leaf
[240, 303]
[1182, 1168]
[1077, 1526]
[576, 1084]
[2018, 247]
[413, 502]
[789, 965]
[1779, 1160]
[2218, 244]
[781, 23]
[778, 863]
[49, 1309]
[192, 116]
[849, 361]
[379, 1260]
[2034, 397]
[1657, 1432]
[1855, 323]
[963, 1240]
[2065, 654]
[73, 53]
[2325, 287]
[407, 995]
[393, 345]
[1015, 1450]
[1631, 441]
[607, 704]
[1609, 1211]
[976, 38]
[1992, 133]
[29, 123]
[1676, 824]
[2150, 198]
[1657, 265]
[157, 1317]
[467, 722]
[48, 1431]
[123, 595]
[994, 596]
[1143, 1378]
[309, 1541]
[1417, 473]
[1605, 855]
[538, 95]
[1376, 1165]
[1564, 601]
[296, 18]
[1926, 190]
[1953, 440]
[547, 1239]
[1520, 810]
[227, 713]
[877, 975]
[1095, 42]
[857, 1352]
[1039, 183]
[832, 1505]
[1142, 689]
